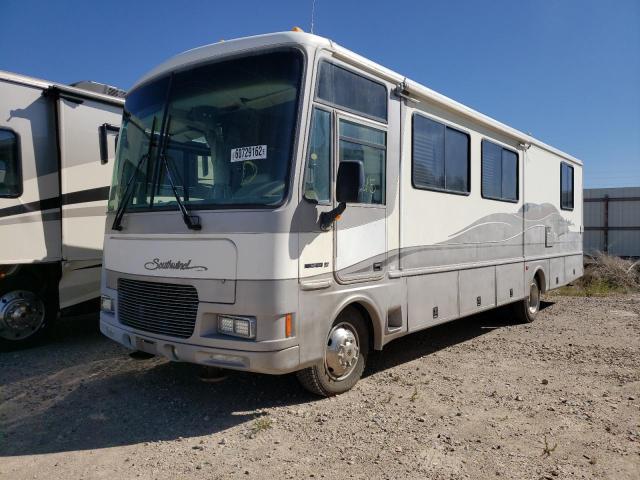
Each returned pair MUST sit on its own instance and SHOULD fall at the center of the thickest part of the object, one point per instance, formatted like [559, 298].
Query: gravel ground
[478, 398]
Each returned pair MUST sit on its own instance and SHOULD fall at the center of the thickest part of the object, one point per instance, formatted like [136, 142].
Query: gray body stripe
[73, 198]
[85, 212]
[43, 216]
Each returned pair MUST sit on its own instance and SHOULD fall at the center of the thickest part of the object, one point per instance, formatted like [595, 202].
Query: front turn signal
[288, 327]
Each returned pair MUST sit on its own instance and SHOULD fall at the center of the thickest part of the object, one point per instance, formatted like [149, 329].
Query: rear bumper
[271, 362]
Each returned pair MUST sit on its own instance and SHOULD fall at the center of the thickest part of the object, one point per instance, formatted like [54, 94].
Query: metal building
[612, 221]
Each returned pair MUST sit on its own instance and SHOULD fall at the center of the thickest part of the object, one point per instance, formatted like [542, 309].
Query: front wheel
[527, 310]
[345, 357]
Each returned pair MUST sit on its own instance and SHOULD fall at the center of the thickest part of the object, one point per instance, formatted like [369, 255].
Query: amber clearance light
[288, 331]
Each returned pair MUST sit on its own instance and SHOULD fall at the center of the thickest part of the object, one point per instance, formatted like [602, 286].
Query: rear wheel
[345, 357]
[25, 314]
[527, 310]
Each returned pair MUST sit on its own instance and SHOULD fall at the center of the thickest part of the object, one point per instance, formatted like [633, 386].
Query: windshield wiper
[191, 221]
[128, 191]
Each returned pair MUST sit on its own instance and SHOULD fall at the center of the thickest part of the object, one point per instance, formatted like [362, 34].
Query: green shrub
[605, 275]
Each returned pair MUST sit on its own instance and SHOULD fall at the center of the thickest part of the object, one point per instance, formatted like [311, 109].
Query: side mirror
[3, 171]
[104, 130]
[348, 185]
[350, 181]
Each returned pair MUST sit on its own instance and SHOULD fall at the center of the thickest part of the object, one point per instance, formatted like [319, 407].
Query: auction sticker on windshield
[255, 152]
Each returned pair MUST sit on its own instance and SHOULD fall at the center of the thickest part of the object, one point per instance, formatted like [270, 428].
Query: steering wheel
[247, 180]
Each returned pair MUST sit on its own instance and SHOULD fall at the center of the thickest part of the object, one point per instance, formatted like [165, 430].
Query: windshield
[228, 135]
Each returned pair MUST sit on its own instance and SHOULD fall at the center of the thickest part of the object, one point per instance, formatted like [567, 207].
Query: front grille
[163, 308]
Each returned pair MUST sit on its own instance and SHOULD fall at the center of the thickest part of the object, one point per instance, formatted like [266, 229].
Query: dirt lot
[477, 398]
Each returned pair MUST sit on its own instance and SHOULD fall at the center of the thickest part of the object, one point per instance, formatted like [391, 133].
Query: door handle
[377, 266]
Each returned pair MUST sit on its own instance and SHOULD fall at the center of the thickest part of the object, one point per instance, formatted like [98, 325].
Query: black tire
[318, 379]
[13, 287]
[140, 355]
[527, 310]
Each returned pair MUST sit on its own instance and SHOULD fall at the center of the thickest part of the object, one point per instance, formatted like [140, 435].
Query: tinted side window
[491, 170]
[509, 175]
[499, 172]
[440, 156]
[10, 177]
[369, 146]
[456, 154]
[317, 181]
[343, 88]
[566, 186]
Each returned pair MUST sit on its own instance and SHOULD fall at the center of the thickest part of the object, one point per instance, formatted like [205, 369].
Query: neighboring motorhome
[282, 204]
[57, 144]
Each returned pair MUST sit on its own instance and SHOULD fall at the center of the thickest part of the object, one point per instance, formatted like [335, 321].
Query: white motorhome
[57, 144]
[282, 204]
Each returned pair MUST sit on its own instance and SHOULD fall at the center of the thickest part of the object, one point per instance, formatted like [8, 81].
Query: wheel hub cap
[342, 352]
[21, 315]
[534, 298]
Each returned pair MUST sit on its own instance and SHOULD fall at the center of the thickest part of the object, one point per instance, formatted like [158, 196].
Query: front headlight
[237, 326]
[106, 304]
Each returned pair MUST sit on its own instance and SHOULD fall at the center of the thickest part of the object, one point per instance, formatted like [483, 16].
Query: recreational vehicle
[57, 144]
[282, 204]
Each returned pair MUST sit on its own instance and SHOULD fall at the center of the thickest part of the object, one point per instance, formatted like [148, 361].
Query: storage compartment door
[509, 283]
[432, 299]
[556, 265]
[477, 290]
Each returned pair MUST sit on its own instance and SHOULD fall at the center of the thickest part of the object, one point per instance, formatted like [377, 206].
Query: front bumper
[271, 362]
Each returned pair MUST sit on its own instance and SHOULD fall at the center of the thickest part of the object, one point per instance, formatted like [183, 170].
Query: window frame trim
[499, 199]
[18, 154]
[573, 187]
[343, 108]
[329, 202]
[365, 122]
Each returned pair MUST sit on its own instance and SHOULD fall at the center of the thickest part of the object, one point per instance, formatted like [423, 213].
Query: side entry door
[361, 233]
[359, 104]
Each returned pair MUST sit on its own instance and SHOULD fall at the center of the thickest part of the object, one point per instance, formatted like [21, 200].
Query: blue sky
[566, 71]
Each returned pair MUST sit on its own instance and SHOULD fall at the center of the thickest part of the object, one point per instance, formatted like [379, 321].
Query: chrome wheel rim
[21, 315]
[342, 352]
[534, 298]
